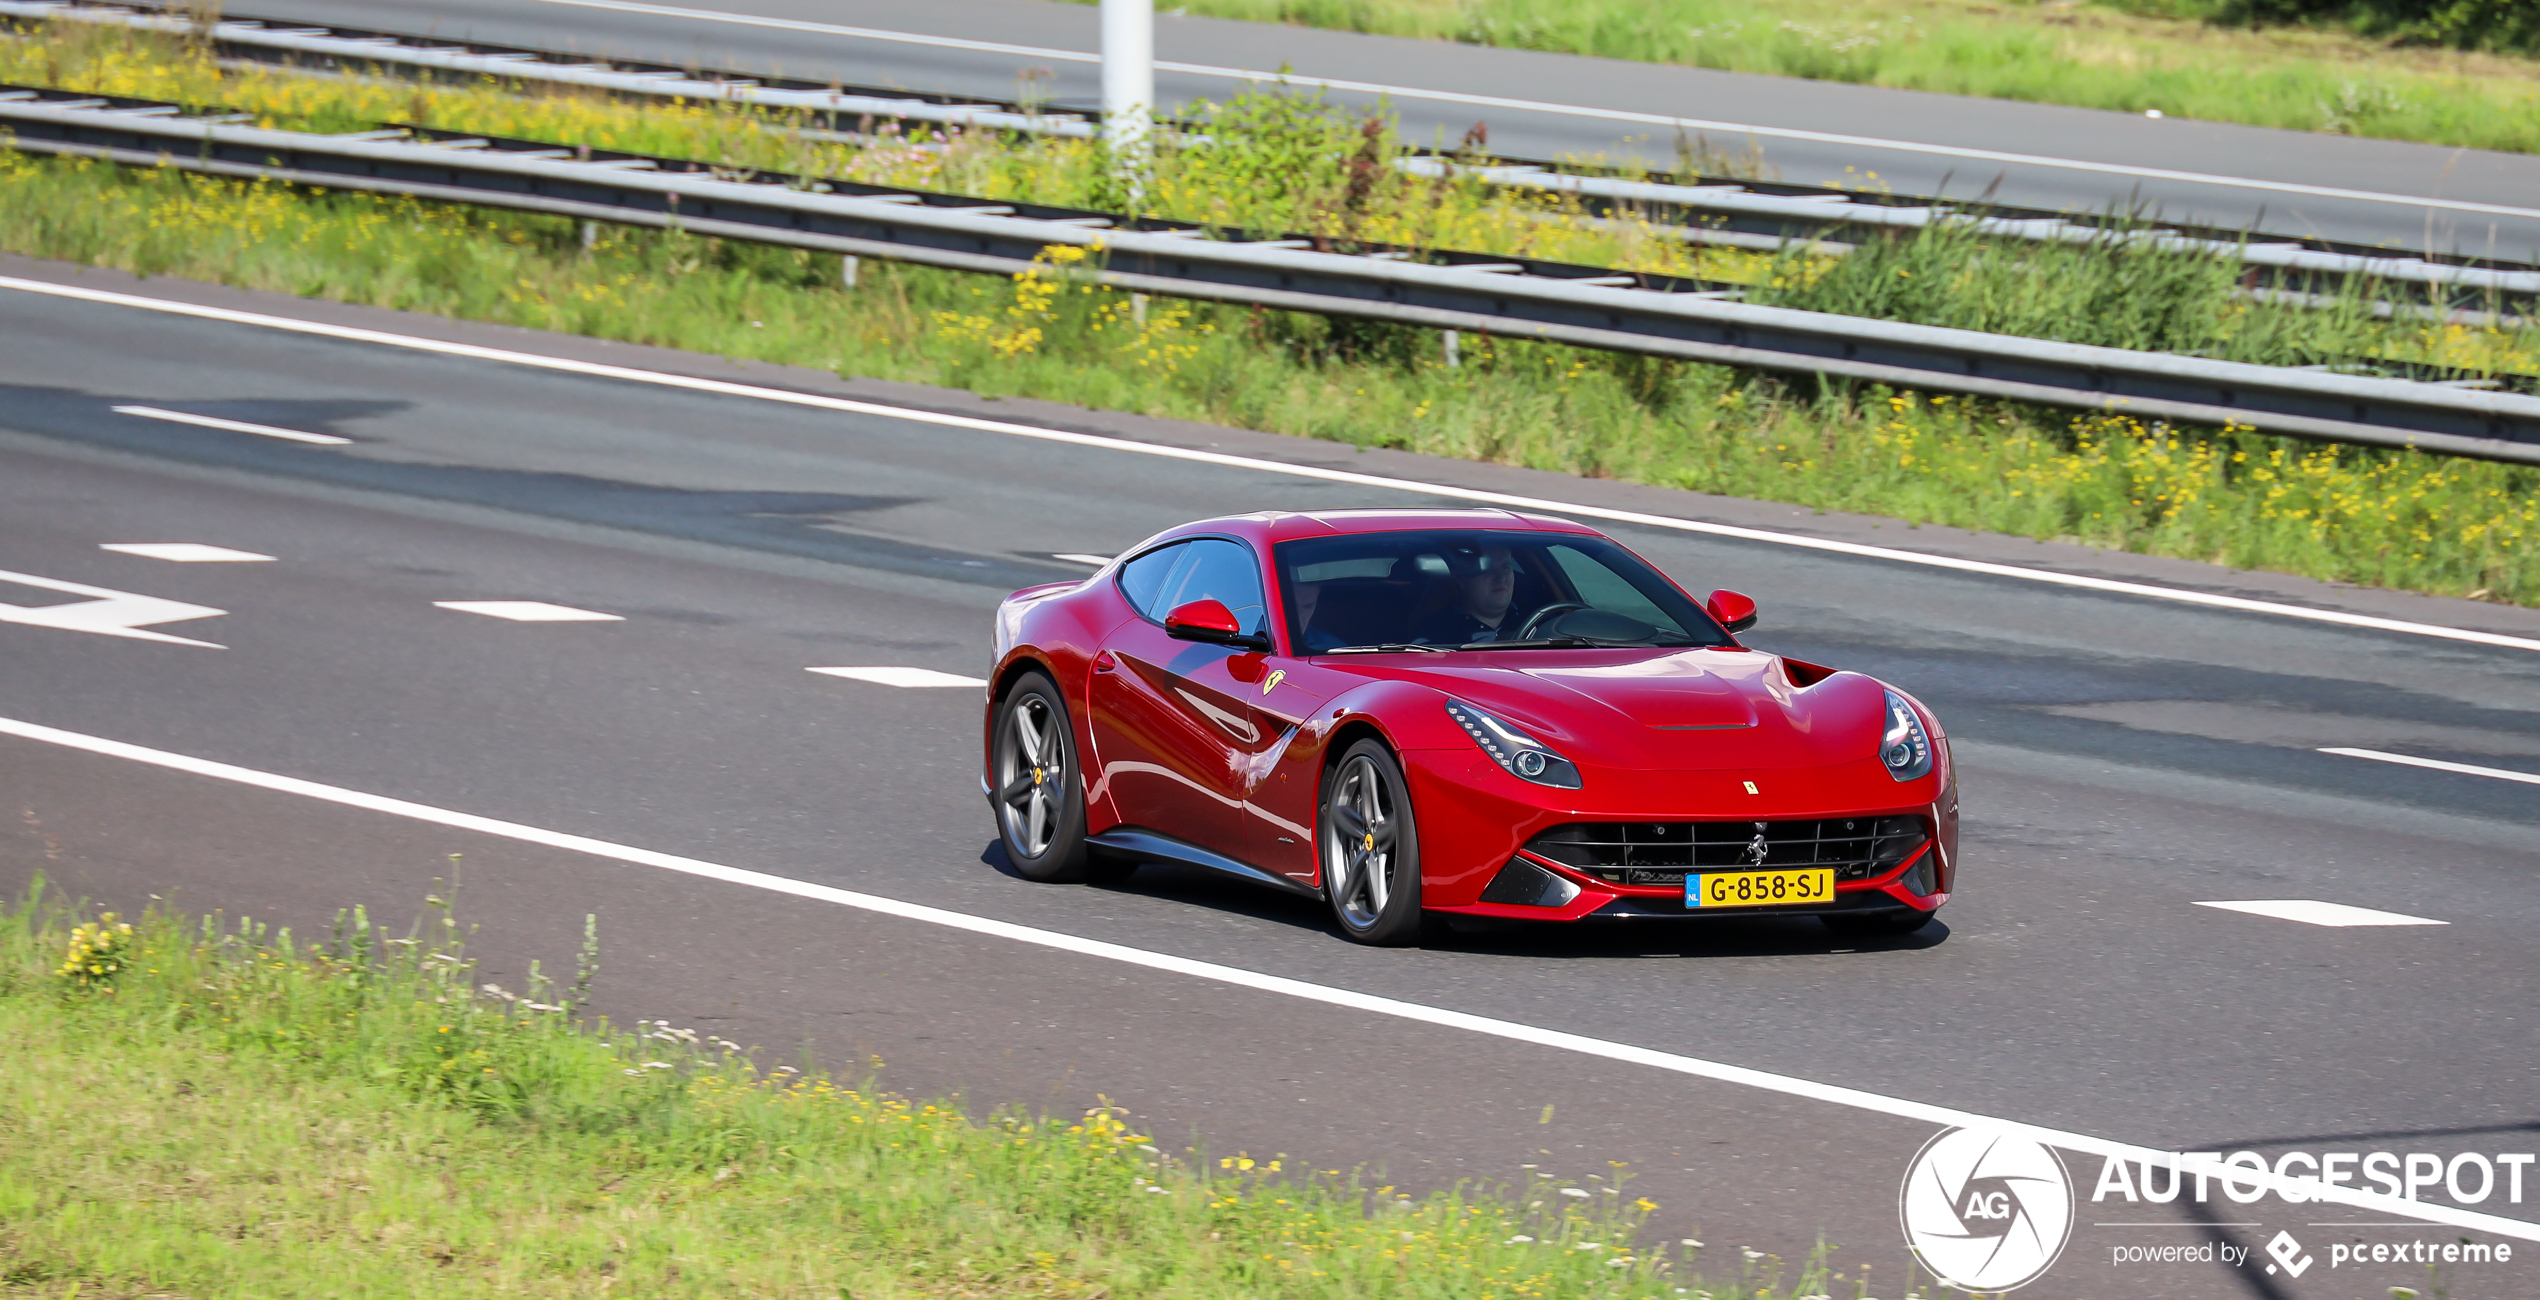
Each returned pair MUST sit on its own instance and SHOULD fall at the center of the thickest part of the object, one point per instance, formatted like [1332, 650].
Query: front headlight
[1904, 747]
[1525, 757]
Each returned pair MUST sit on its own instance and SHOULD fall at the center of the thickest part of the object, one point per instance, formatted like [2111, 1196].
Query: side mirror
[1210, 622]
[1734, 611]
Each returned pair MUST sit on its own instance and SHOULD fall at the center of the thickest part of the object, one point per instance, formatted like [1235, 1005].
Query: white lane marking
[2311, 911]
[234, 426]
[814, 400]
[1080, 557]
[184, 552]
[1350, 999]
[106, 612]
[2465, 769]
[1568, 110]
[527, 611]
[900, 676]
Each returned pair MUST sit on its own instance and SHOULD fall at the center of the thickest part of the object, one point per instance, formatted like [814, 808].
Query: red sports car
[1424, 713]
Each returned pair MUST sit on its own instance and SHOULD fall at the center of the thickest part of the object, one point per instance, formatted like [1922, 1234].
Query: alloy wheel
[1035, 764]
[1359, 841]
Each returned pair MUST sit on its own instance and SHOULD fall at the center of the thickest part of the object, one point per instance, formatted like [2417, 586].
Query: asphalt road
[1551, 106]
[2125, 759]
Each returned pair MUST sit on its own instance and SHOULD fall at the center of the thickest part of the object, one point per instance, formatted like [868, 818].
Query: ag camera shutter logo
[1986, 1211]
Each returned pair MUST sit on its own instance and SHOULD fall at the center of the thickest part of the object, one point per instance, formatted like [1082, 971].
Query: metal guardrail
[1582, 306]
[1751, 214]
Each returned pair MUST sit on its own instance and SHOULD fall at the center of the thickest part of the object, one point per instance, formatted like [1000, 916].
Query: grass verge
[2132, 56]
[214, 1110]
[2349, 514]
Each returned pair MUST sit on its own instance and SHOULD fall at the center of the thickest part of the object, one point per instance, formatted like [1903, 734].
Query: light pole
[1128, 86]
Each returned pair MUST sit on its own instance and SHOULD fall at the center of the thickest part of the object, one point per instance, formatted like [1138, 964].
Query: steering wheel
[1526, 630]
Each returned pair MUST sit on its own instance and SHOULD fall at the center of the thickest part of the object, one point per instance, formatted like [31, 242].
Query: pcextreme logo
[1986, 1211]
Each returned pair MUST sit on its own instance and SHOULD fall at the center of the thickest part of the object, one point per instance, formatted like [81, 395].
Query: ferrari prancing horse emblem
[1271, 683]
[1750, 788]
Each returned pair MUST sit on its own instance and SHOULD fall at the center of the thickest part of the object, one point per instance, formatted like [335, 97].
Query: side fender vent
[1804, 673]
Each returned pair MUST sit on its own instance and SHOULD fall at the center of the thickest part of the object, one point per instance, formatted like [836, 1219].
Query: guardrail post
[1128, 86]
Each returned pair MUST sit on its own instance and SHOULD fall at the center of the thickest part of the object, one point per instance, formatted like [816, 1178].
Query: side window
[1603, 588]
[1222, 571]
[1142, 579]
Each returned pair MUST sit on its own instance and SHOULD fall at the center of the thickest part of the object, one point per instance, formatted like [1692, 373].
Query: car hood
[1684, 710]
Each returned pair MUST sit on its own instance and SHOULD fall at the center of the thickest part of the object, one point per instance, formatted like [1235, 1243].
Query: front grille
[1660, 853]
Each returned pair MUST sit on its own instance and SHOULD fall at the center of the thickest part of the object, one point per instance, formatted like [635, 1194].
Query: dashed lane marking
[2288, 1187]
[900, 676]
[2438, 765]
[1080, 557]
[817, 401]
[106, 612]
[2311, 911]
[184, 552]
[527, 611]
[233, 426]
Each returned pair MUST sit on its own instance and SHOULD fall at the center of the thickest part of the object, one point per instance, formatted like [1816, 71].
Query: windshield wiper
[1389, 647]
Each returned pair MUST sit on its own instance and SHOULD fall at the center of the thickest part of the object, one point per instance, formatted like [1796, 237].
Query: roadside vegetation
[2452, 72]
[211, 1110]
[2360, 515]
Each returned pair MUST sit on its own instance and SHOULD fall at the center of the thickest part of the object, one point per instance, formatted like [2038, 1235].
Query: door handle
[1104, 663]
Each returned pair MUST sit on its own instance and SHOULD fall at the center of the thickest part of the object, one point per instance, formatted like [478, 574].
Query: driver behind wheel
[1486, 585]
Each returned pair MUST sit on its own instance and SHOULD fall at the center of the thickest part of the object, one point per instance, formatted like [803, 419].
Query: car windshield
[1479, 590]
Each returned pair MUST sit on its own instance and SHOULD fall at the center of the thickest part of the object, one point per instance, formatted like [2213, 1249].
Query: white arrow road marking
[105, 612]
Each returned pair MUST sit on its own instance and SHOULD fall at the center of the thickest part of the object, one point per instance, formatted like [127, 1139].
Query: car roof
[1274, 526]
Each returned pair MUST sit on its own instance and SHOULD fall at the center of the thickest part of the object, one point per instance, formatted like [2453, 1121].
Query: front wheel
[1371, 848]
[1039, 796]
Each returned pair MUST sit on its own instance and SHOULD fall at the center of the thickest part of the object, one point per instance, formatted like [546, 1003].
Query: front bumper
[1476, 822]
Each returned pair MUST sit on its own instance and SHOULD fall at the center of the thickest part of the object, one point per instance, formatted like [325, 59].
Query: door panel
[1173, 728]
[1174, 734]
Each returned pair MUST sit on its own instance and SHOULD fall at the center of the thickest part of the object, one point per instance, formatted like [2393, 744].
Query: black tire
[1870, 924]
[1371, 866]
[1039, 799]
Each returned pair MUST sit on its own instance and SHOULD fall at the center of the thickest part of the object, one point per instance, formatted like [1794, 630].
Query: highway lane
[2126, 760]
[1549, 106]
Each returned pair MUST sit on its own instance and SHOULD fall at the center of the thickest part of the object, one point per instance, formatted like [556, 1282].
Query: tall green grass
[2464, 24]
[2112, 291]
[210, 1109]
[2404, 520]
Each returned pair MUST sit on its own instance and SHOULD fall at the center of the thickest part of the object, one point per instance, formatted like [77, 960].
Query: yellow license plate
[1760, 888]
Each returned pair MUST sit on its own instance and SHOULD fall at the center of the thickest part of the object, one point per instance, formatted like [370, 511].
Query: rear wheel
[1039, 794]
[1370, 848]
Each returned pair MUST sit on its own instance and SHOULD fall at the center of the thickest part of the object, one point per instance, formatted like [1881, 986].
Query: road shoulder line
[2292, 1189]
